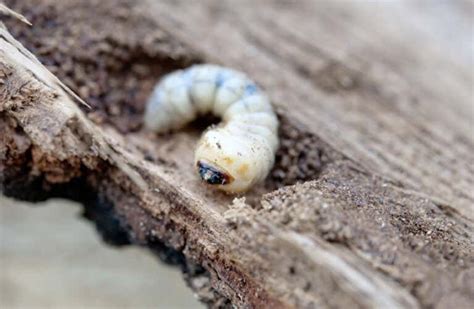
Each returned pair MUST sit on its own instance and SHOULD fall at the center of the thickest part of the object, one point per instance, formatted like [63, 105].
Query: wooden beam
[370, 200]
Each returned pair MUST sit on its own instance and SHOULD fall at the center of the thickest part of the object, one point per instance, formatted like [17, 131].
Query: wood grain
[370, 201]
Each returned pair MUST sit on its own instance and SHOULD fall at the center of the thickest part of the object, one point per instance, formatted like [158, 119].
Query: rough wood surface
[370, 203]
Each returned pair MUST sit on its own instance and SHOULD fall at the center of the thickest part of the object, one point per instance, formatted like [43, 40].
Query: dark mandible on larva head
[240, 151]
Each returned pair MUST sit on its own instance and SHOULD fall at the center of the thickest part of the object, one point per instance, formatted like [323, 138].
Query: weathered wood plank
[363, 85]
[370, 201]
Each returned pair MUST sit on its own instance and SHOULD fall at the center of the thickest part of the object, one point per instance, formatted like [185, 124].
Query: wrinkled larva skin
[240, 151]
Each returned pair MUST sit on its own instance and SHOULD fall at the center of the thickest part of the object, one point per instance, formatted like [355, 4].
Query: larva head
[226, 163]
[213, 175]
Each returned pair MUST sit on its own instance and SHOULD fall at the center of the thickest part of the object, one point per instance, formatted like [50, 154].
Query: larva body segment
[240, 151]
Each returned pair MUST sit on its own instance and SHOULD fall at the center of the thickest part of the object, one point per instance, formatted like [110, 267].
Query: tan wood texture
[370, 203]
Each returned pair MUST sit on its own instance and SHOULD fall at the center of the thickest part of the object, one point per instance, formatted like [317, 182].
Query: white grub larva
[240, 151]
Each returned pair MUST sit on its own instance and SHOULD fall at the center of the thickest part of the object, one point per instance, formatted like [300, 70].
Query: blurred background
[48, 249]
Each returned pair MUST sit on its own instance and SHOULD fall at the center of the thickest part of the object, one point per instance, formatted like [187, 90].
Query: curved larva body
[240, 151]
